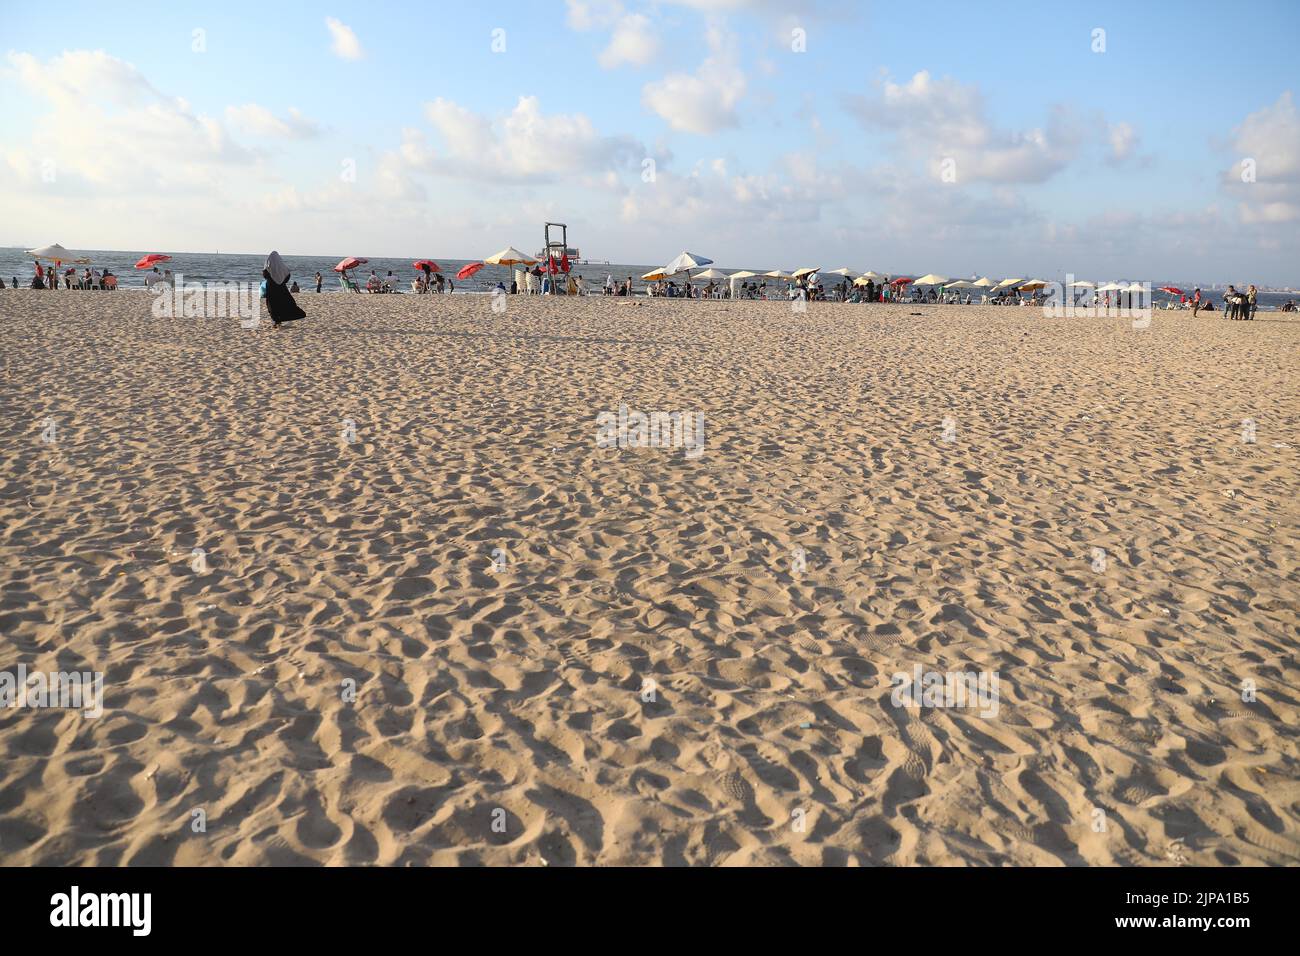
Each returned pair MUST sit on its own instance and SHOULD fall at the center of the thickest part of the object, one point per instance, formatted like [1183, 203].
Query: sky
[1135, 140]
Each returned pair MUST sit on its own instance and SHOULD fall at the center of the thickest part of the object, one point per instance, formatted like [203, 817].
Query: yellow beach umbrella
[1033, 284]
[654, 275]
[873, 276]
[799, 273]
[510, 256]
[984, 283]
[932, 279]
[1008, 283]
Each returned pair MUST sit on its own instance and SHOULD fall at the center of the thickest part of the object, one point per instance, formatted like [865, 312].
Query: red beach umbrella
[1171, 289]
[468, 270]
[351, 262]
[901, 280]
[425, 265]
[151, 260]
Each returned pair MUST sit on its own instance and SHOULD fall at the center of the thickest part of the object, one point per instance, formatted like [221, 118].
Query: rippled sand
[505, 714]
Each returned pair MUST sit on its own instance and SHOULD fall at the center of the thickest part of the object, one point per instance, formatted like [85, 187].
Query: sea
[232, 267]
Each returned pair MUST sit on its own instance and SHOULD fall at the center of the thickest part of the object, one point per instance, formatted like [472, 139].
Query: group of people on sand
[1240, 306]
[91, 278]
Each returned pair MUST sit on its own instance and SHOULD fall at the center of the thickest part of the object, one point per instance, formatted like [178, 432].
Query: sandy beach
[433, 622]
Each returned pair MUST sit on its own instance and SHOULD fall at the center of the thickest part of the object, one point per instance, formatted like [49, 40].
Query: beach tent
[686, 262]
[931, 279]
[510, 256]
[58, 255]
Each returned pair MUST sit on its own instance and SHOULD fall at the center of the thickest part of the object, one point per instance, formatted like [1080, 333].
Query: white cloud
[346, 46]
[257, 119]
[634, 42]
[523, 146]
[704, 101]
[1123, 139]
[593, 14]
[940, 120]
[1270, 139]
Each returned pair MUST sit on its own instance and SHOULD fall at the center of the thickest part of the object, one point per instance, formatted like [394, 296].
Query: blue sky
[950, 137]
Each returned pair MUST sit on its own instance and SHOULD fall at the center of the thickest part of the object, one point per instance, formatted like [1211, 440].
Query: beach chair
[348, 284]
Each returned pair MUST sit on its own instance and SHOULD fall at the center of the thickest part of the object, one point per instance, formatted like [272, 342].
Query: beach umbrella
[984, 283]
[962, 284]
[901, 280]
[1082, 284]
[509, 256]
[744, 275]
[654, 275]
[711, 274]
[469, 269]
[1033, 285]
[800, 273]
[1008, 283]
[861, 280]
[151, 260]
[846, 272]
[1171, 289]
[686, 262]
[873, 276]
[1112, 287]
[778, 274]
[426, 266]
[57, 254]
[351, 262]
[931, 279]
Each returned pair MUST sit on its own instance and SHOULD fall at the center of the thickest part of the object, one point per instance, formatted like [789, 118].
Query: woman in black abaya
[278, 300]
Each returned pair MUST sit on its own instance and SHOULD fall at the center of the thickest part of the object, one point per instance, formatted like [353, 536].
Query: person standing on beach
[278, 300]
[1230, 303]
[1196, 302]
[318, 282]
[1251, 295]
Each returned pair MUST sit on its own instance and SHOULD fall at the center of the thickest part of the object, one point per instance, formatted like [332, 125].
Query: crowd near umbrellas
[686, 262]
[58, 255]
[931, 279]
[151, 260]
[509, 256]
[470, 268]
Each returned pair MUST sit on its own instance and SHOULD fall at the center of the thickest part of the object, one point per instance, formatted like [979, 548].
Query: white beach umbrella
[1008, 283]
[962, 284]
[873, 276]
[743, 274]
[56, 253]
[711, 274]
[1082, 284]
[931, 279]
[846, 272]
[778, 274]
[654, 275]
[686, 262]
[1034, 284]
[804, 272]
[984, 283]
[1112, 287]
